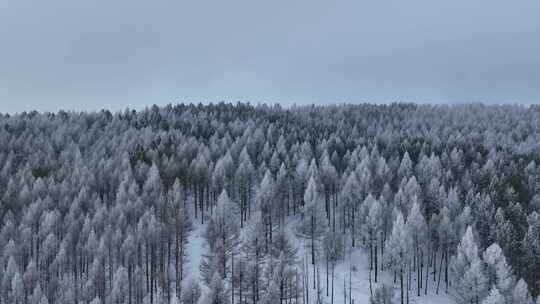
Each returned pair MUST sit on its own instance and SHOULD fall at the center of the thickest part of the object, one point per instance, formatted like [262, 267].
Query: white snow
[360, 292]
[196, 248]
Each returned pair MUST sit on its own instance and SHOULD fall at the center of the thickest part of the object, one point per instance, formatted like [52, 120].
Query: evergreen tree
[265, 198]
[531, 244]
[350, 198]
[521, 294]
[255, 251]
[418, 231]
[120, 285]
[96, 206]
[217, 293]
[498, 271]
[372, 227]
[469, 280]
[494, 297]
[36, 295]
[223, 227]
[312, 225]
[396, 251]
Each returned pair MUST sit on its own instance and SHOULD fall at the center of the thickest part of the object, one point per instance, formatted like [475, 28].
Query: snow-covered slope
[196, 248]
[357, 260]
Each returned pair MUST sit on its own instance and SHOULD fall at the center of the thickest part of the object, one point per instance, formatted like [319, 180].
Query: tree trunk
[332, 299]
[434, 264]
[427, 279]
[440, 272]
[370, 287]
[418, 276]
[408, 281]
[446, 269]
[312, 239]
[353, 230]
[129, 280]
[376, 261]
[401, 283]
[152, 274]
[232, 278]
[240, 290]
[327, 276]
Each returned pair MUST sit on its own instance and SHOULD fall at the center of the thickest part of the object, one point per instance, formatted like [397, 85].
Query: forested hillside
[224, 203]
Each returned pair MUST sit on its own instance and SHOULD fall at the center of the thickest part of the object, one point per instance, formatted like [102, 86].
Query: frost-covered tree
[265, 198]
[498, 271]
[373, 230]
[328, 175]
[120, 284]
[382, 295]
[272, 295]
[494, 297]
[418, 232]
[223, 230]
[531, 244]
[446, 236]
[405, 167]
[350, 198]
[17, 289]
[521, 294]
[397, 250]
[467, 269]
[191, 293]
[255, 251]
[217, 294]
[90, 197]
[244, 178]
[214, 262]
[312, 225]
[37, 294]
[334, 250]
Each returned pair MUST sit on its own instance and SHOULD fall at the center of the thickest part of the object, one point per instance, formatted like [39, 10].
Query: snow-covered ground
[358, 259]
[196, 248]
[360, 283]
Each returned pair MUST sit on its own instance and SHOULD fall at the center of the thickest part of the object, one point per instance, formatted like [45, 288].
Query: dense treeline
[99, 207]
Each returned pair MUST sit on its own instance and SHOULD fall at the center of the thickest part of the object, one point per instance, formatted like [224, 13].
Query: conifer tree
[469, 280]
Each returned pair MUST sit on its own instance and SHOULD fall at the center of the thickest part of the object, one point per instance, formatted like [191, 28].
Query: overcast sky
[93, 54]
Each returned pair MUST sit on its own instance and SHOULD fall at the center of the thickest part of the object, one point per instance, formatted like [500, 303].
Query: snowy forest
[236, 203]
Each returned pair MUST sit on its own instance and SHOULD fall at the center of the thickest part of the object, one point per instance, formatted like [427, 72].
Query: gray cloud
[113, 54]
